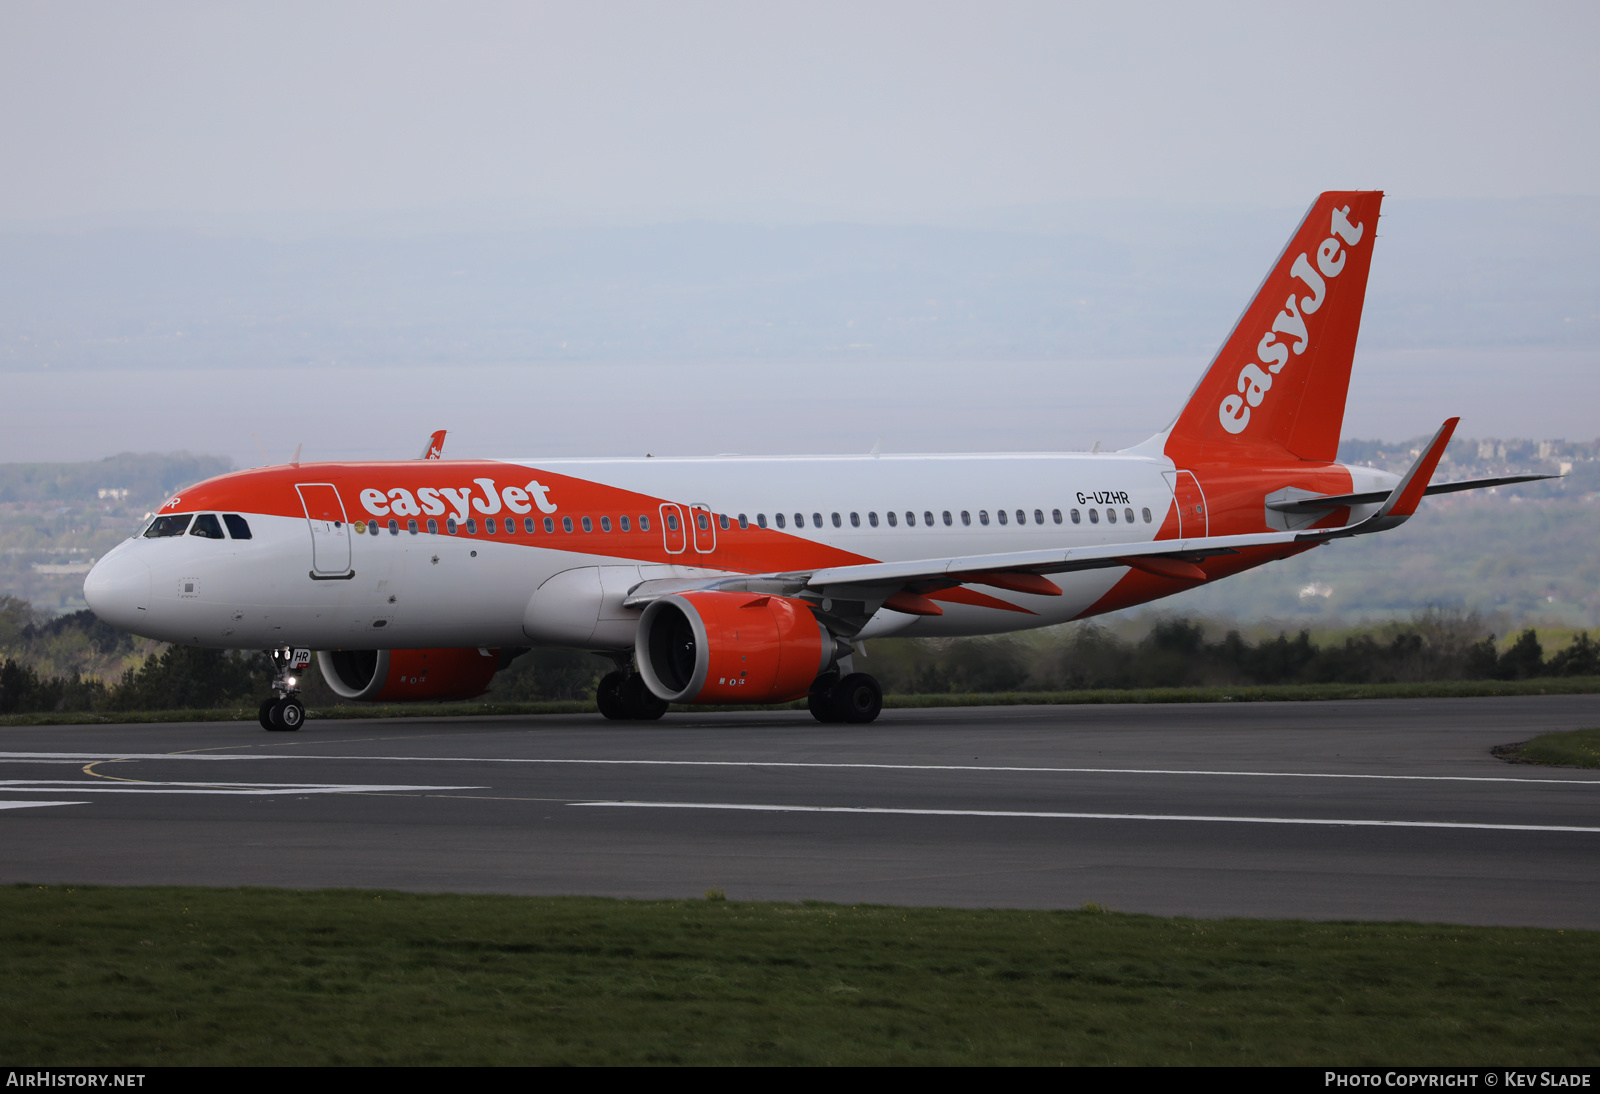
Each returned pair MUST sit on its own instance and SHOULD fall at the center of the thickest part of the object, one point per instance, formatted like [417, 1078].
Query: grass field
[1280, 693]
[1576, 748]
[215, 976]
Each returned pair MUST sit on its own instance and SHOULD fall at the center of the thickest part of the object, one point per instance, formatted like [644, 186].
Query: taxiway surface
[1386, 809]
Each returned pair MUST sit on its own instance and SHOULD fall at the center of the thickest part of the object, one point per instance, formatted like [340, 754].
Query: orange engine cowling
[713, 647]
[408, 676]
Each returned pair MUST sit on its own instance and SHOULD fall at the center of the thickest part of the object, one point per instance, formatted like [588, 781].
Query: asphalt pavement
[1381, 809]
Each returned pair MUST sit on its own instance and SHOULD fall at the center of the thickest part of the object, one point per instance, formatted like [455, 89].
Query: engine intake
[713, 647]
[408, 676]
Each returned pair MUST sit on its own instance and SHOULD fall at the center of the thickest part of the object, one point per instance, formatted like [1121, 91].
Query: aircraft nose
[118, 590]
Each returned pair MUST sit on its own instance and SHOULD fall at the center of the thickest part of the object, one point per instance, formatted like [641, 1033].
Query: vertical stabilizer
[1278, 384]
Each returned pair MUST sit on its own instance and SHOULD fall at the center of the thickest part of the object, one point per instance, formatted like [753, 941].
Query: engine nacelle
[408, 676]
[713, 647]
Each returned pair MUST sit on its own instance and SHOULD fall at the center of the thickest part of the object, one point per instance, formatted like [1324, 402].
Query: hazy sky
[780, 111]
[484, 117]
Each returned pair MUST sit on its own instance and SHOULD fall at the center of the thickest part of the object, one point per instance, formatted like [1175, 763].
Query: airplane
[755, 580]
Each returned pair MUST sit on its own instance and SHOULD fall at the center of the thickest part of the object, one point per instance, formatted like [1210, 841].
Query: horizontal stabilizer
[1338, 501]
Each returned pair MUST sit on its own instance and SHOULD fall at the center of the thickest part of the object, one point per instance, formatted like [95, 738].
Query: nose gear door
[330, 532]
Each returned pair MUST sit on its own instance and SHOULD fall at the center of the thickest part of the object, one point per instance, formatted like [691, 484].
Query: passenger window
[700, 519]
[947, 518]
[1094, 516]
[894, 520]
[622, 522]
[549, 525]
[206, 526]
[411, 525]
[472, 526]
[761, 520]
[372, 527]
[605, 524]
[394, 527]
[1111, 515]
[566, 524]
[872, 519]
[855, 520]
[983, 517]
[433, 527]
[488, 526]
[173, 525]
[238, 527]
[1001, 514]
[966, 517]
[644, 523]
[1038, 516]
[588, 525]
[927, 518]
[911, 519]
[744, 522]
[1022, 517]
[722, 521]
[837, 523]
[1077, 517]
[781, 522]
[1146, 513]
[450, 525]
[1128, 513]
[511, 526]
[1055, 514]
[672, 522]
[816, 520]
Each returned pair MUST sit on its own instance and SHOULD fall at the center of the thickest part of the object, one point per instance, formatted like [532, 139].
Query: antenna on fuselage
[294, 460]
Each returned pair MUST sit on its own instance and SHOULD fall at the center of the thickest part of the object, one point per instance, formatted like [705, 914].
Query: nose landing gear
[283, 711]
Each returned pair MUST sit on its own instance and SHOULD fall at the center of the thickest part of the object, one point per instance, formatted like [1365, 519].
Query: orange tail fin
[1279, 382]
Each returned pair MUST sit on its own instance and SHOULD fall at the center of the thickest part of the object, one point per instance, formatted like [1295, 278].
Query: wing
[902, 586]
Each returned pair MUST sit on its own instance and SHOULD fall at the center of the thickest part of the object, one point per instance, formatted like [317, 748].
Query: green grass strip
[1273, 693]
[1575, 748]
[99, 976]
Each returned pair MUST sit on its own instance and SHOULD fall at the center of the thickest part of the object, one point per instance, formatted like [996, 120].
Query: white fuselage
[426, 590]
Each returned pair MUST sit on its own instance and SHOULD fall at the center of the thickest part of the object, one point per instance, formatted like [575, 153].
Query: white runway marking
[1320, 821]
[78, 786]
[83, 757]
[35, 805]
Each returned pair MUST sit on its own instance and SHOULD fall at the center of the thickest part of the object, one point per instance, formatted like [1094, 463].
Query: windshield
[174, 524]
[206, 526]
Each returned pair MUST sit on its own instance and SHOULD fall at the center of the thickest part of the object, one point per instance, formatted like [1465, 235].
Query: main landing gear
[622, 696]
[856, 698]
[283, 711]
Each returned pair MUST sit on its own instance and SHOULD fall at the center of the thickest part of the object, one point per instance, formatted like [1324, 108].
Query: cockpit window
[207, 526]
[174, 524]
[238, 527]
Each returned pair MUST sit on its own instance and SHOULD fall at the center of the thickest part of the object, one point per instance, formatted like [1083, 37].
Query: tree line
[1175, 653]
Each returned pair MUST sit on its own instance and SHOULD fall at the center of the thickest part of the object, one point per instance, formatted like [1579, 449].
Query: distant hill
[147, 478]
